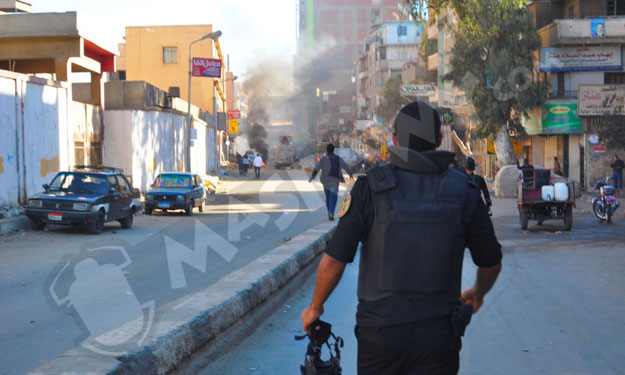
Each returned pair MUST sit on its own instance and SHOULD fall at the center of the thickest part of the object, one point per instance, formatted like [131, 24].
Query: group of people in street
[244, 163]
[411, 312]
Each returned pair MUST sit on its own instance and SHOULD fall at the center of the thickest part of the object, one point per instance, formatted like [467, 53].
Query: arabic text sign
[418, 90]
[203, 67]
[561, 118]
[234, 114]
[601, 100]
[568, 59]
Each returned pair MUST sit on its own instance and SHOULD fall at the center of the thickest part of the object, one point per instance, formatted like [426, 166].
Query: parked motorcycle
[605, 204]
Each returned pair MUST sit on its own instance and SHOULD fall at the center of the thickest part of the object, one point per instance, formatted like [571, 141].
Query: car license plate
[163, 204]
[53, 216]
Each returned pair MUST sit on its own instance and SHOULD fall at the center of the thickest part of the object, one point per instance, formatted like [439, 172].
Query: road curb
[14, 224]
[194, 322]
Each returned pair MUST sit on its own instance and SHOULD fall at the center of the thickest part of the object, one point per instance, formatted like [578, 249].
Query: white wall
[146, 143]
[35, 140]
[8, 141]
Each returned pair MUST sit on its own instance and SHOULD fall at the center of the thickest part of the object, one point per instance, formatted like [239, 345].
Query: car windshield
[172, 181]
[79, 183]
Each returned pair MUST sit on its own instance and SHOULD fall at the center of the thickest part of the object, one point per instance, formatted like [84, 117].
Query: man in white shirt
[258, 163]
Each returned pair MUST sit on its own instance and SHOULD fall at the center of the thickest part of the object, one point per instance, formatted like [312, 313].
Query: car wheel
[97, 225]
[36, 225]
[127, 221]
[189, 210]
[148, 211]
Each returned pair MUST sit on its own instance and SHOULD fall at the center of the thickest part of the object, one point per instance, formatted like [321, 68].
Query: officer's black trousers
[426, 347]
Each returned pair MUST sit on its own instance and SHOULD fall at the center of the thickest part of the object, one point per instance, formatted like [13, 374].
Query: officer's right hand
[309, 316]
[472, 297]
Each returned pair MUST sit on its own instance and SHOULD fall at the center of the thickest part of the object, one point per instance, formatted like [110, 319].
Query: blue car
[87, 196]
[175, 191]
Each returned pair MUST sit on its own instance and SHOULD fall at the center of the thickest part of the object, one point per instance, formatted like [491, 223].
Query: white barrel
[548, 193]
[561, 191]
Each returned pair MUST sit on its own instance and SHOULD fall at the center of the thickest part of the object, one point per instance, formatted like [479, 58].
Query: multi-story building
[160, 55]
[329, 33]
[581, 60]
[383, 55]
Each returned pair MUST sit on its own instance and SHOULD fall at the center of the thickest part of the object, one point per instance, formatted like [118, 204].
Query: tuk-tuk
[543, 195]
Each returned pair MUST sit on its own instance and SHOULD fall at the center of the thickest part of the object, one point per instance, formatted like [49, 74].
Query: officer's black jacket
[355, 225]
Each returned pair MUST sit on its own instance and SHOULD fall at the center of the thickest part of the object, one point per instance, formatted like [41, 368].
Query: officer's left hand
[473, 297]
[309, 316]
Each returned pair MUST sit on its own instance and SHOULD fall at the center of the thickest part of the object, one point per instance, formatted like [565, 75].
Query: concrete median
[208, 321]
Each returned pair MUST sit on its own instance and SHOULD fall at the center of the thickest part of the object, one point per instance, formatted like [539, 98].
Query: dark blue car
[87, 196]
[175, 191]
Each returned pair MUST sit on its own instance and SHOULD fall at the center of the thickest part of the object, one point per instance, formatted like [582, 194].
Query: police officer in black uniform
[478, 181]
[414, 217]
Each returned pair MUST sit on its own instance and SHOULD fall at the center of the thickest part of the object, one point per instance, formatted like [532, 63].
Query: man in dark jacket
[414, 218]
[330, 166]
[479, 181]
[617, 166]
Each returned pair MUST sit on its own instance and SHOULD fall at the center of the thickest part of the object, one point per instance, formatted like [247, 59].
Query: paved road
[557, 308]
[235, 229]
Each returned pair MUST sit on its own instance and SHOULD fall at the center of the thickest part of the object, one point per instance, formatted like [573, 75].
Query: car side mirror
[46, 187]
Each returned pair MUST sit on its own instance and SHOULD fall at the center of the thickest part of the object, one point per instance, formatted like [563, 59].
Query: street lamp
[214, 36]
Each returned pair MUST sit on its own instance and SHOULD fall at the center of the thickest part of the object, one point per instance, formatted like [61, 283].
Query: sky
[253, 30]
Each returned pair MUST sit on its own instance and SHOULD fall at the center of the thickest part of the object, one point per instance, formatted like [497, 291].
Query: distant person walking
[258, 164]
[617, 166]
[330, 167]
[245, 164]
[479, 181]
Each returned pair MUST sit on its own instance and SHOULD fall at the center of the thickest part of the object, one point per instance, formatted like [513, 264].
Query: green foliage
[391, 100]
[492, 61]
[428, 47]
[610, 131]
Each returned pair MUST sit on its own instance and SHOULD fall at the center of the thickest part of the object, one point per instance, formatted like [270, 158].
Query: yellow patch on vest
[347, 201]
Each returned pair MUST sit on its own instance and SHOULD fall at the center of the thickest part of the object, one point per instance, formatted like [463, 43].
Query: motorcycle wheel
[597, 211]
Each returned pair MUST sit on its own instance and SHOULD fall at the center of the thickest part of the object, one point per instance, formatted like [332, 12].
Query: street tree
[391, 100]
[492, 61]
[610, 131]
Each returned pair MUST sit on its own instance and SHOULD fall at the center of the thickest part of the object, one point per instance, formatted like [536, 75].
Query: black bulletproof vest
[416, 244]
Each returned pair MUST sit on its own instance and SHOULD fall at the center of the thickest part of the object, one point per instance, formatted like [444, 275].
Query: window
[123, 185]
[170, 55]
[614, 78]
[113, 183]
[402, 30]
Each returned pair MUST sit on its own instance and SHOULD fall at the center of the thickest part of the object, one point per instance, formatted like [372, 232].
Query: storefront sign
[206, 67]
[234, 114]
[418, 90]
[561, 118]
[517, 146]
[569, 59]
[601, 100]
[599, 149]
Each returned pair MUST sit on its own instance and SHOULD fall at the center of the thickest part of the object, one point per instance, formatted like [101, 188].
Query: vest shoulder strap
[381, 178]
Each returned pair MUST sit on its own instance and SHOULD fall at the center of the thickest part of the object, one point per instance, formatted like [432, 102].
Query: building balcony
[578, 31]
[362, 75]
[433, 61]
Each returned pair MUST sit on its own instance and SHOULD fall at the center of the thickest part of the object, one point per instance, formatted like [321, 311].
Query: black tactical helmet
[418, 127]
